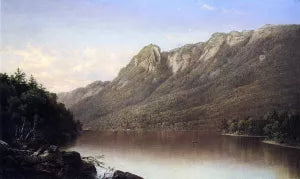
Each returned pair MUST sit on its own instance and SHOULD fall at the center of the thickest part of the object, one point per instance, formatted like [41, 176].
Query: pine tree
[32, 82]
[20, 76]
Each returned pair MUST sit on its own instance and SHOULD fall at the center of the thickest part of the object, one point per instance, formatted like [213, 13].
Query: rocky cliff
[231, 76]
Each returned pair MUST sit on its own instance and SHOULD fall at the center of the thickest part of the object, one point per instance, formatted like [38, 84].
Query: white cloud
[61, 70]
[208, 7]
[232, 11]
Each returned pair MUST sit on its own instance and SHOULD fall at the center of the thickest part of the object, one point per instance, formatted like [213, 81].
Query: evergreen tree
[31, 116]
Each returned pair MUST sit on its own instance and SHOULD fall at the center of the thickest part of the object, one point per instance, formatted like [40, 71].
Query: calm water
[190, 155]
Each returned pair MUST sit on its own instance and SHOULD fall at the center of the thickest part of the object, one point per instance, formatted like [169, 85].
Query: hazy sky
[69, 43]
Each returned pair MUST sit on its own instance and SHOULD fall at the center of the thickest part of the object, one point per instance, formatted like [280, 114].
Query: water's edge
[271, 142]
[279, 144]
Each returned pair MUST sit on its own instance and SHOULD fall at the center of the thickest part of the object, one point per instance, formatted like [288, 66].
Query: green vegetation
[31, 116]
[281, 127]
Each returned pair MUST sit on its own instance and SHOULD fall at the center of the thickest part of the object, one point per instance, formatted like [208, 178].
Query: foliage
[31, 115]
[282, 128]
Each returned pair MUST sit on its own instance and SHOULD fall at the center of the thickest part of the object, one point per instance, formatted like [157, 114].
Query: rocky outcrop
[148, 58]
[46, 162]
[50, 162]
[232, 75]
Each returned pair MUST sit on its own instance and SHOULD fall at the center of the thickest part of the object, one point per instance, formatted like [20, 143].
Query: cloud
[61, 70]
[232, 11]
[208, 7]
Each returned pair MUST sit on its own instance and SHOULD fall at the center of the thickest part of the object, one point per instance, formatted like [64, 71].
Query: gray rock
[40, 150]
[3, 146]
[53, 148]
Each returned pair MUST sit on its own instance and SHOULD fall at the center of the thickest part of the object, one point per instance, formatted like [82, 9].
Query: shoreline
[270, 142]
[240, 135]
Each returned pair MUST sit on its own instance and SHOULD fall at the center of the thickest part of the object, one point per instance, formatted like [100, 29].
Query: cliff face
[231, 76]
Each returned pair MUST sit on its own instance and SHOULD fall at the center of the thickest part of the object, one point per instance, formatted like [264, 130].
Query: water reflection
[191, 155]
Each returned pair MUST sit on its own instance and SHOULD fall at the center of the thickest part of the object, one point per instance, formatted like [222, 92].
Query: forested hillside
[232, 76]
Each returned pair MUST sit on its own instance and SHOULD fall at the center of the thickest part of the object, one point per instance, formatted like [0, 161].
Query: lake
[190, 155]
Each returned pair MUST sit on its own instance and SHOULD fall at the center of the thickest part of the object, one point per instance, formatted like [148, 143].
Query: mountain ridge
[81, 93]
[232, 75]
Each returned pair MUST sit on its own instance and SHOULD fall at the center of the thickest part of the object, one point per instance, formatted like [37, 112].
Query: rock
[212, 46]
[71, 164]
[88, 171]
[46, 162]
[148, 58]
[46, 153]
[2, 143]
[75, 167]
[124, 175]
[40, 150]
[3, 146]
[71, 158]
[53, 148]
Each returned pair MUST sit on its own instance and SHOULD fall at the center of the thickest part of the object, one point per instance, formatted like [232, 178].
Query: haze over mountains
[231, 76]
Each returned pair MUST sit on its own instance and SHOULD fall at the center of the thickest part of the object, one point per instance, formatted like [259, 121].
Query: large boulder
[88, 170]
[75, 167]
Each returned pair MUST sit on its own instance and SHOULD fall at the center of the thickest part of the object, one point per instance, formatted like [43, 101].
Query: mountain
[231, 76]
[79, 94]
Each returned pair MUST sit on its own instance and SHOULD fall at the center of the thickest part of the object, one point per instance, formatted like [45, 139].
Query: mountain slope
[79, 94]
[231, 76]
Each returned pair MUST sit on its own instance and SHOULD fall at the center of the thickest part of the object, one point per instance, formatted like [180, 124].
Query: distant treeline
[281, 127]
[31, 116]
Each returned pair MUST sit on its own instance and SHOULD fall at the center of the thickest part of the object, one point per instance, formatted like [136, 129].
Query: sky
[67, 44]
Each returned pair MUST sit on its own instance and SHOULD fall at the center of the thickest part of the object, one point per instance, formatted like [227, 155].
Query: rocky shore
[49, 162]
[46, 162]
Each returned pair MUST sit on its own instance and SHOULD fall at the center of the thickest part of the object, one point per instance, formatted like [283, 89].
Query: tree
[32, 82]
[233, 126]
[223, 125]
[20, 76]
[242, 126]
[283, 127]
[31, 116]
